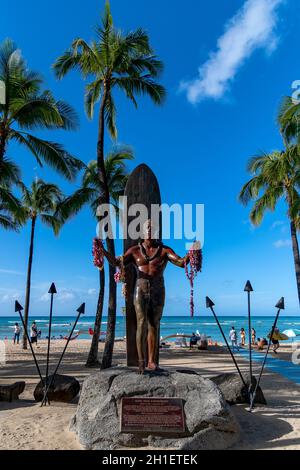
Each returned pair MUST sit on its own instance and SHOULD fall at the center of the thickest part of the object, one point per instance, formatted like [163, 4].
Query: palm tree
[117, 61]
[89, 193]
[10, 206]
[26, 108]
[289, 120]
[275, 176]
[38, 202]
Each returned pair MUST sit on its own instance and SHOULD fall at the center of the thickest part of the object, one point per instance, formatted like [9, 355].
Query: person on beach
[253, 336]
[233, 339]
[17, 333]
[34, 334]
[243, 336]
[261, 343]
[193, 340]
[203, 343]
[274, 339]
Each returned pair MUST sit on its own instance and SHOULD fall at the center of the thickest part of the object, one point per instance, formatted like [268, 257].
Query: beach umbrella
[291, 333]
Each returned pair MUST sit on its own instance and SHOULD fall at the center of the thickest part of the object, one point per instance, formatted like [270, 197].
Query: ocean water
[170, 325]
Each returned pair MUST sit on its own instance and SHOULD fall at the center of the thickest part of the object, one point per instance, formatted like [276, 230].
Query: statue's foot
[153, 367]
[141, 367]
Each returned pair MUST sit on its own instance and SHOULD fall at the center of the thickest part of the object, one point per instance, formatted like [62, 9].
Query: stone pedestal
[209, 423]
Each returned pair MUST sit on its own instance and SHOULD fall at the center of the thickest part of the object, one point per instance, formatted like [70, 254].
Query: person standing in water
[233, 339]
[17, 332]
[34, 334]
[243, 336]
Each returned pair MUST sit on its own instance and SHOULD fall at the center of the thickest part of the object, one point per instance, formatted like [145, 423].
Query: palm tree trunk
[28, 283]
[104, 198]
[112, 308]
[296, 254]
[112, 303]
[92, 360]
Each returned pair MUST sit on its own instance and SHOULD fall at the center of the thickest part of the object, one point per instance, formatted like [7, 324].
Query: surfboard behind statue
[142, 188]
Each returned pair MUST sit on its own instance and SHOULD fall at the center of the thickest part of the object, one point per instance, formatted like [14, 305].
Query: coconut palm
[38, 202]
[276, 176]
[10, 206]
[116, 61]
[289, 120]
[89, 193]
[27, 108]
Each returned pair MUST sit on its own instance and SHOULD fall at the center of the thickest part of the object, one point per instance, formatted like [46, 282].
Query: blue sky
[227, 66]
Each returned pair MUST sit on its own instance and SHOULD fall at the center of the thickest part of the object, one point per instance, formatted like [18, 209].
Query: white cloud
[92, 291]
[282, 243]
[62, 296]
[10, 297]
[9, 294]
[65, 295]
[277, 223]
[12, 272]
[45, 297]
[280, 225]
[253, 27]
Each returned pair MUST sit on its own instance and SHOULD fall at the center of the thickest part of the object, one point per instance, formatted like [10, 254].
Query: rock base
[235, 392]
[209, 422]
[11, 392]
[64, 389]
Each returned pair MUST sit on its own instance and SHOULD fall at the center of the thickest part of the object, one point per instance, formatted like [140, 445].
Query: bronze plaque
[152, 415]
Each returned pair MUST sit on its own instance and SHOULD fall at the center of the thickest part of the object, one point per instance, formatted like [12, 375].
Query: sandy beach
[25, 425]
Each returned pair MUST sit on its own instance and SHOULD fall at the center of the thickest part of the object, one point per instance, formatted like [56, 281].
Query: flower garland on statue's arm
[120, 276]
[99, 255]
[195, 258]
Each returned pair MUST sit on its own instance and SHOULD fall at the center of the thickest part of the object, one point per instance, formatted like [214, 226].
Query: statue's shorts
[149, 300]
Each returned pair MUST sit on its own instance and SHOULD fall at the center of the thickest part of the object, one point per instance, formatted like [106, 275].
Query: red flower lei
[98, 254]
[196, 258]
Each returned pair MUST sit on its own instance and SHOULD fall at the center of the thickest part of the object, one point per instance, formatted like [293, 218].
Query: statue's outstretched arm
[113, 261]
[175, 259]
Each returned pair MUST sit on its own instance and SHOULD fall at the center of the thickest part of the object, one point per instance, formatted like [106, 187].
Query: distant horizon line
[165, 316]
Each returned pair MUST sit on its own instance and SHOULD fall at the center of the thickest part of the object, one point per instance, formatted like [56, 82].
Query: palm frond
[272, 173]
[7, 222]
[110, 116]
[9, 172]
[51, 153]
[289, 119]
[266, 202]
[72, 205]
[80, 56]
[42, 112]
[52, 222]
[142, 85]
[92, 96]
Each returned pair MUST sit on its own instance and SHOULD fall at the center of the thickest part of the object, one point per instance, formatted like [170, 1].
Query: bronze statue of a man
[150, 258]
